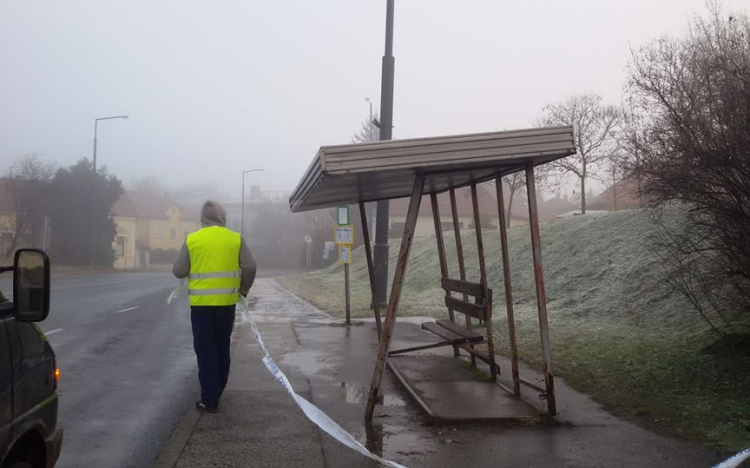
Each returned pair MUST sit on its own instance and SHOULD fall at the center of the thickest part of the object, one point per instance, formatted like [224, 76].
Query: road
[128, 372]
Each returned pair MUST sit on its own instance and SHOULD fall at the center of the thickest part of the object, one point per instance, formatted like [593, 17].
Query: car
[29, 434]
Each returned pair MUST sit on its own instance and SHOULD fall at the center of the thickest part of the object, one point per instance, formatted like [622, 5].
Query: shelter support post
[483, 281]
[460, 256]
[506, 283]
[398, 282]
[370, 267]
[441, 251]
[541, 298]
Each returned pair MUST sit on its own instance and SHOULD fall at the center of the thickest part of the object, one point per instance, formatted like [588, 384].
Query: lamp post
[93, 186]
[380, 250]
[369, 101]
[96, 125]
[242, 227]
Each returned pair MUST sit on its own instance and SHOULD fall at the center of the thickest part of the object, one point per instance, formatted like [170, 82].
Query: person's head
[213, 214]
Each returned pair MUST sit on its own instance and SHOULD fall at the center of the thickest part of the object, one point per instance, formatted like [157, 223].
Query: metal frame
[541, 298]
[483, 281]
[398, 283]
[507, 284]
[370, 267]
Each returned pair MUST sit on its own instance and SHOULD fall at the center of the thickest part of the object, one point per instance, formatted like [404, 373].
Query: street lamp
[93, 187]
[96, 124]
[368, 100]
[242, 227]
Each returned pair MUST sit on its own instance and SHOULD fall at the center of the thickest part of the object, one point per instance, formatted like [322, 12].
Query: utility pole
[380, 251]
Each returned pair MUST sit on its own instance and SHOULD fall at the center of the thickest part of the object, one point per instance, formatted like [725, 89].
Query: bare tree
[613, 170]
[25, 186]
[514, 182]
[367, 132]
[593, 123]
[630, 140]
[693, 97]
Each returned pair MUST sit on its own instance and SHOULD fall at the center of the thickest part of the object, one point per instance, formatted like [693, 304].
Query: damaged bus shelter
[366, 172]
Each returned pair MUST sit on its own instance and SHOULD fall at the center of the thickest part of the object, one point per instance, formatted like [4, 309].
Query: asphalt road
[128, 372]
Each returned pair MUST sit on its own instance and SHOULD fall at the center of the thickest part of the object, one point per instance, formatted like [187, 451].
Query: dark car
[29, 435]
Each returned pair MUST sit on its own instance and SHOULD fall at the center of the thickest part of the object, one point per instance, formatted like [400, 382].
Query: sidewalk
[258, 424]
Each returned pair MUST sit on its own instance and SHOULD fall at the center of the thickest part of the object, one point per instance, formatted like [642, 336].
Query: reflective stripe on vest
[208, 292]
[214, 278]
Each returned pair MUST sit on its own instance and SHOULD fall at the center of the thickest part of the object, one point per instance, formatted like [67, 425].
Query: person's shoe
[205, 408]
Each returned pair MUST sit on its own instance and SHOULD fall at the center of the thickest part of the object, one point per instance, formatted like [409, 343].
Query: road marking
[53, 331]
[126, 310]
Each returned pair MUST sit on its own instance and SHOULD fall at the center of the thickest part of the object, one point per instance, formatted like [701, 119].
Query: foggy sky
[216, 87]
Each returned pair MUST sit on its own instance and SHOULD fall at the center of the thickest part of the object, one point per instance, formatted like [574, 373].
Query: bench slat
[474, 310]
[459, 330]
[442, 332]
[463, 287]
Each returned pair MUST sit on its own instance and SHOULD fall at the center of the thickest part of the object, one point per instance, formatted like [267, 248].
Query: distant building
[486, 204]
[621, 196]
[151, 229]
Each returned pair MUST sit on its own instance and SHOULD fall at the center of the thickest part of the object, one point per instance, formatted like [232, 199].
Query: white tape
[312, 412]
[735, 460]
[175, 291]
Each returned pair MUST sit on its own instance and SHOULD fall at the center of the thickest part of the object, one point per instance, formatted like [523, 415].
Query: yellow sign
[345, 254]
[344, 235]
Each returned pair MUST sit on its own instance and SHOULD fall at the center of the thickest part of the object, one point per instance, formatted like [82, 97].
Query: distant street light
[242, 227]
[368, 100]
[96, 124]
[93, 187]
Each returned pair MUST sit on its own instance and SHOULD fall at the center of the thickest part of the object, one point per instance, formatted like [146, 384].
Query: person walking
[219, 267]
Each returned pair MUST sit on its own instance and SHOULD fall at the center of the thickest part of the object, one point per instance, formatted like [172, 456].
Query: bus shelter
[366, 172]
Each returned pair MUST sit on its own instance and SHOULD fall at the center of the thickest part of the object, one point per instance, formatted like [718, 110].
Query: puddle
[309, 362]
[395, 442]
[355, 393]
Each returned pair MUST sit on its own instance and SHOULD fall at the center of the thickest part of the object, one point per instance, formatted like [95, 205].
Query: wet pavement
[331, 365]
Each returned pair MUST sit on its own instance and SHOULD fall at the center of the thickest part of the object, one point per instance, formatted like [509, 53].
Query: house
[151, 229]
[623, 195]
[126, 224]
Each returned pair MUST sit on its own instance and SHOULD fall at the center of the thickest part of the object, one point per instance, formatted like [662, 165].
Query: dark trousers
[212, 330]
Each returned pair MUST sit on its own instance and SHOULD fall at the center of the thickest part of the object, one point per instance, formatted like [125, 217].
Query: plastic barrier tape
[312, 412]
[735, 460]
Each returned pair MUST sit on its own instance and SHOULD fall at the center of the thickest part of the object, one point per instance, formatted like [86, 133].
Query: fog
[214, 88]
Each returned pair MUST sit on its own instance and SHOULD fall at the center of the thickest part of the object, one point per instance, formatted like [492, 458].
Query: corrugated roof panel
[346, 174]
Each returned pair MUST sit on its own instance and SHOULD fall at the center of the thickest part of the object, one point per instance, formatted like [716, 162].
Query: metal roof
[347, 174]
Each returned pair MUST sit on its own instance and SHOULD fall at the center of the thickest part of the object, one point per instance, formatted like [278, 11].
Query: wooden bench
[453, 333]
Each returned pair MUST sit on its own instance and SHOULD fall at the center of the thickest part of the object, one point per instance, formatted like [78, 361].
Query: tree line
[66, 210]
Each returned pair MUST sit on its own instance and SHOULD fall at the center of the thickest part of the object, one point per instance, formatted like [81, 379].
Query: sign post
[344, 239]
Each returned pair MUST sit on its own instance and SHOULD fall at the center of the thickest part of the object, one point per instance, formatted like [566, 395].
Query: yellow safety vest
[214, 278]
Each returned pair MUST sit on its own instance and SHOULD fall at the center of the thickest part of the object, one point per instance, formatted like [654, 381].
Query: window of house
[173, 233]
[159, 232]
[120, 246]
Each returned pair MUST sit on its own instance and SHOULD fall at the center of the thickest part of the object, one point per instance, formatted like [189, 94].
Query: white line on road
[53, 331]
[126, 310]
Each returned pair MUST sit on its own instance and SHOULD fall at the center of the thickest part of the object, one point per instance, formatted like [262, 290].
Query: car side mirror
[31, 285]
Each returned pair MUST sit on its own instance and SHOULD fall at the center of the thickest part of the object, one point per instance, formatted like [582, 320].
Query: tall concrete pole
[386, 132]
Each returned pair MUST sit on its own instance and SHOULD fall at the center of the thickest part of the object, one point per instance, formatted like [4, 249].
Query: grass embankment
[618, 332]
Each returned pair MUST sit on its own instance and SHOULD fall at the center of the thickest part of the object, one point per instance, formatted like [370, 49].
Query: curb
[178, 440]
